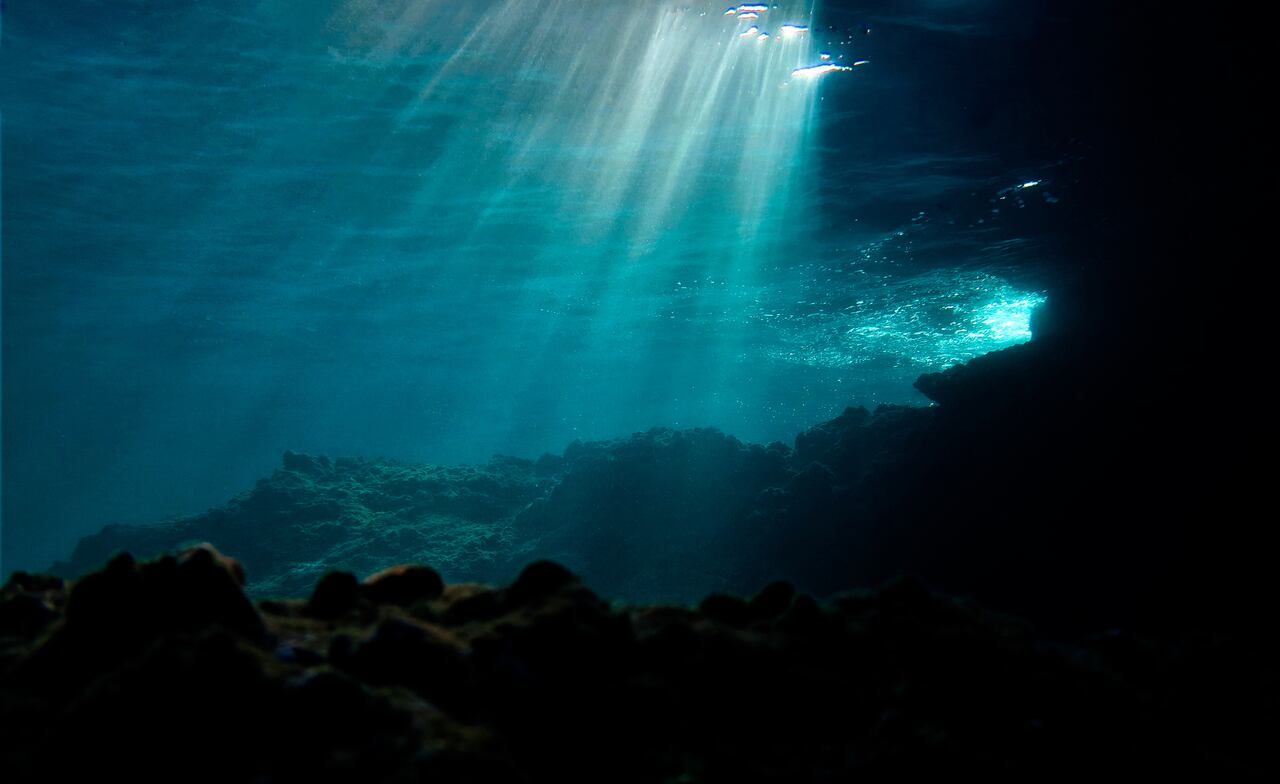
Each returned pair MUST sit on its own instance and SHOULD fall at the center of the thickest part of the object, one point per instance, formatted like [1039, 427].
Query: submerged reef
[1043, 483]
[165, 668]
[315, 514]
[637, 515]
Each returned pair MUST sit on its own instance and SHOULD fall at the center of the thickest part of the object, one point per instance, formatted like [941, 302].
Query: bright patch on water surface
[813, 71]
[923, 323]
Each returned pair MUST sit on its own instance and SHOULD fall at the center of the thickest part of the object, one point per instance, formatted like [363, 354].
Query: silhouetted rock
[403, 585]
[409, 653]
[540, 680]
[335, 595]
[196, 590]
[24, 615]
[539, 579]
[773, 600]
[29, 603]
[636, 516]
[726, 609]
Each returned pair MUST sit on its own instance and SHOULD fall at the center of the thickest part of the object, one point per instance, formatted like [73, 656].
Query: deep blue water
[438, 230]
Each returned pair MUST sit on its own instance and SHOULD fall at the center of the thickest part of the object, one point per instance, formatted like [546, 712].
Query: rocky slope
[1043, 483]
[166, 669]
[638, 515]
[314, 514]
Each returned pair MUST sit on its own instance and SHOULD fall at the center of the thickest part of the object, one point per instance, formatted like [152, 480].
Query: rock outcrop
[164, 668]
[1041, 483]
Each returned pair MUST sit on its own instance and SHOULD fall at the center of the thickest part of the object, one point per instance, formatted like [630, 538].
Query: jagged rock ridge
[163, 666]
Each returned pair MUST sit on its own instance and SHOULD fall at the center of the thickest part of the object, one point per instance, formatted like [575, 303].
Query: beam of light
[604, 150]
[585, 159]
[655, 80]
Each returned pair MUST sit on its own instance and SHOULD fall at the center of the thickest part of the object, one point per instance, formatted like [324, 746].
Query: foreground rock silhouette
[164, 669]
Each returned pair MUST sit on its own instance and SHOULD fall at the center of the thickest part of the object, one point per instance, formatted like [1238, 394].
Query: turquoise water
[438, 230]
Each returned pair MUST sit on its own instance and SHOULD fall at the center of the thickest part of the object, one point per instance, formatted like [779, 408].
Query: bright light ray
[602, 149]
[654, 117]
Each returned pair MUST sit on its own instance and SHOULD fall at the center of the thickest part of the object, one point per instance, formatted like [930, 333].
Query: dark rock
[476, 606]
[335, 595]
[466, 767]
[1028, 473]
[1000, 373]
[906, 591]
[816, 442]
[539, 579]
[24, 615]
[403, 585]
[211, 586]
[635, 516]
[813, 483]
[549, 464]
[29, 603]
[198, 589]
[204, 555]
[545, 682]
[419, 656]
[25, 582]
[726, 609]
[311, 516]
[804, 617]
[773, 600]
[306, 464]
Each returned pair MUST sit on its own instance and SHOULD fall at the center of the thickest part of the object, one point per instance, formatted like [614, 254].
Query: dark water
[438, 230]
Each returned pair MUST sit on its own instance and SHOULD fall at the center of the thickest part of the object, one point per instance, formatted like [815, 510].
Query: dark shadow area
[165, 666]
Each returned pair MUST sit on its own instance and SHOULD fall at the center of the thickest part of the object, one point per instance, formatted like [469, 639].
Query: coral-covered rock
[315, 515]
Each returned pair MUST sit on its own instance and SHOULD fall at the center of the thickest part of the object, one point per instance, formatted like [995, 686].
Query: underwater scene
[616, 390]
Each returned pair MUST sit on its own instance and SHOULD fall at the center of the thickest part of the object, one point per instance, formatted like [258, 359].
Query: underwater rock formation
[637, 516]
[647, 517]
[1037, 485]
[148, 669]
[314, 515]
